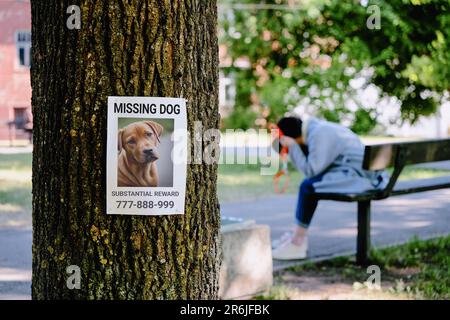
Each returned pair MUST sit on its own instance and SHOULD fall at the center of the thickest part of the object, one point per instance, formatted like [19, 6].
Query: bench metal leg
[363, 240]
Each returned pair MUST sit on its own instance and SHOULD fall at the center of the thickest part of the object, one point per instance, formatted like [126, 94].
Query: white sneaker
[290, 251]
[287, 236]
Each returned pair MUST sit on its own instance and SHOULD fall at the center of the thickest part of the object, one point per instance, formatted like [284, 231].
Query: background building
[15, 62]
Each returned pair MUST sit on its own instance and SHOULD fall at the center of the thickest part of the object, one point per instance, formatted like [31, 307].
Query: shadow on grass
[15, 196]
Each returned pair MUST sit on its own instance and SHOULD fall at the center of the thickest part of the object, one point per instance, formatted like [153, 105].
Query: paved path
[16, 150]
[15, 263]
[333, 230]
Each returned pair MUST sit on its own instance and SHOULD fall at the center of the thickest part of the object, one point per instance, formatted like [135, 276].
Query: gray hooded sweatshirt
[338, 153]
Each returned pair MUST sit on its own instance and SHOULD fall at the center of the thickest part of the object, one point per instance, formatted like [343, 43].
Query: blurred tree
[309, 52]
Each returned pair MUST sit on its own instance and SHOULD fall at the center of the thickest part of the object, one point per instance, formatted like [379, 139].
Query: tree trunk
[124, 48]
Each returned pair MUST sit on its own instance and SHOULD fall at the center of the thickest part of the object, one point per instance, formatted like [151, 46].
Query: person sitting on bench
[330, 156]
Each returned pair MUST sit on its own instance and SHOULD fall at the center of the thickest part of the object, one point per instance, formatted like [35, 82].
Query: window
[23, 44]
[20, 117]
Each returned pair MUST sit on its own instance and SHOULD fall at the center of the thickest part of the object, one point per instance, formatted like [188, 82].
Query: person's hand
[286, 141]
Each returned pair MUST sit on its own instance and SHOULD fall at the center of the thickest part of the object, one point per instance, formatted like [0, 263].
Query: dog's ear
[156, 127]
[119, 140]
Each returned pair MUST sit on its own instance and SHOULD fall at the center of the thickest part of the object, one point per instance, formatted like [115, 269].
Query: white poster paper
[146, 155]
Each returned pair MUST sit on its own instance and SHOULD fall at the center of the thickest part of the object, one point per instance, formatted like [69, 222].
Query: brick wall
[15, 88]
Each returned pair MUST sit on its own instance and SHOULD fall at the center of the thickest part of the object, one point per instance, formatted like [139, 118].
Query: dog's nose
[148, 151]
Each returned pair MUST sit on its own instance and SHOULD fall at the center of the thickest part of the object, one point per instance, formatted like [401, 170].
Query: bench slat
[348, 197]
[382, 156]
[421, 185]
[401, 188]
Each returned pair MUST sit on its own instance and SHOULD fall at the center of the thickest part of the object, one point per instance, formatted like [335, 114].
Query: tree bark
[124, 48]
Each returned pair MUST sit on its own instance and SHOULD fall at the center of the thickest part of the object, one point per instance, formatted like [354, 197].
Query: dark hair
[291, 126]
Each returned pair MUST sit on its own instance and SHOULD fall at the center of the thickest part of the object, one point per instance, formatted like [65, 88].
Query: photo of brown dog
[138, 154]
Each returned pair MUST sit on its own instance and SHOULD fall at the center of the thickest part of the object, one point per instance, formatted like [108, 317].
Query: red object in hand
[284, 167]
[284, 150]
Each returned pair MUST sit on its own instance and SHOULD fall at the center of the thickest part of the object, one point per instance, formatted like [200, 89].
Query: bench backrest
[382, 156]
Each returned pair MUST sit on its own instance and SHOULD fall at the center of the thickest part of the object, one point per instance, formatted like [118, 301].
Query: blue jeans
[307, 202]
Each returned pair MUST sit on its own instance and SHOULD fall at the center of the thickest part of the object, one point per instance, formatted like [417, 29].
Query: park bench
[19, 126]
[396, 155]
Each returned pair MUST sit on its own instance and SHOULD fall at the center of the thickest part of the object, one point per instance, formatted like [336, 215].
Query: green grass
[16, 162]
[431, 257]
[15, 182]
[429, 260]
[15, 196]
[245, 182]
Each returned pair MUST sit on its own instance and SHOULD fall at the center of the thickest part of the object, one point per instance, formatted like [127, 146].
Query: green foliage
[310, 53]
[240, 118]
[364, 122]
[273, 96]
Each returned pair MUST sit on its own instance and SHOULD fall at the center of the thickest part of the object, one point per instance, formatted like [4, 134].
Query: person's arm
[323, 147]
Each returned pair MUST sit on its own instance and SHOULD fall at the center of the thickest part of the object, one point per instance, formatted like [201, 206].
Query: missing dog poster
[146, 155]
